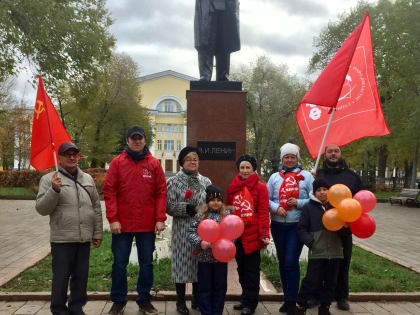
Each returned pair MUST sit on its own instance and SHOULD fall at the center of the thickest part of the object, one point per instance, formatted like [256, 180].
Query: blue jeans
[288, 247]
[121, 249]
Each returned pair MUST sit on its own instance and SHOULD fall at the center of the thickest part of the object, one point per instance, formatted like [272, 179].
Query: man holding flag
[340, 107]
[70, 198]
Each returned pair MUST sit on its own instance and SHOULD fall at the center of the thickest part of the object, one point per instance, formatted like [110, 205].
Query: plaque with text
[216, 150]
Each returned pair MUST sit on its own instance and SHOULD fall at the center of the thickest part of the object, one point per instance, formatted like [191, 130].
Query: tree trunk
[414, 169]
[382, 158]
[407, 173]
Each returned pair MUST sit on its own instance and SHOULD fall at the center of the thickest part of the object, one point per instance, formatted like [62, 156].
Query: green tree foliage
[396, 41]
[98, 112]
[272, 97]
[61, 39]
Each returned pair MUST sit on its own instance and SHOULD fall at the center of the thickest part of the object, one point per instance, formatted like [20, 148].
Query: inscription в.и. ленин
[216, 150]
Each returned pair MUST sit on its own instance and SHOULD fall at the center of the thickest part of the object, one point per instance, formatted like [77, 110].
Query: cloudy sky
[159, 35]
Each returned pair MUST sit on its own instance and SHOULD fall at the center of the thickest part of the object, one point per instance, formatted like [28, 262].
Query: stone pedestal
[216, 123]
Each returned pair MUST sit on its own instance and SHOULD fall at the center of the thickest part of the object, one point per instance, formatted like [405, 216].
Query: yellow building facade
[164, 95]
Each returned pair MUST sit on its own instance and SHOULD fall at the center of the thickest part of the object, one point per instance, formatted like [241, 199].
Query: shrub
[30, 178]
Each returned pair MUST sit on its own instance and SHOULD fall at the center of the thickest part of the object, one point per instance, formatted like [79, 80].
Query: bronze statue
[216, 33]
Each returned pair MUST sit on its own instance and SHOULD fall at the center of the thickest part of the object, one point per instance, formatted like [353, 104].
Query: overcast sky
[159, 35]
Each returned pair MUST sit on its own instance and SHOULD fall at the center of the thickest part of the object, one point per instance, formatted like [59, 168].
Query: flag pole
[323, 140]
[55, 159]
[49, 129]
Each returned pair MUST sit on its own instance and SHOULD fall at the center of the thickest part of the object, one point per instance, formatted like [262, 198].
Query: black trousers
[212, 287]
[342, 289]
[320, 280]
[70, 262]
[219, 26]
[249, 275]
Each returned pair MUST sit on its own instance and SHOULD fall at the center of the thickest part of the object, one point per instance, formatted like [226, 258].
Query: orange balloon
[331, 220]
[349, 210]
[338, 192]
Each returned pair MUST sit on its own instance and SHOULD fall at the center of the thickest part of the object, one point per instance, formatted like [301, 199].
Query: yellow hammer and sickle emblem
[40, 108]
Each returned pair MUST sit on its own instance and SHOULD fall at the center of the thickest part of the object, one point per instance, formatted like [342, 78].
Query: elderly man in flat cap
[70, 198]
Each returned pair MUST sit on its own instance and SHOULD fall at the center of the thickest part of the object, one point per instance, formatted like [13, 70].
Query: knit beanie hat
[213, 192]
[289, 148]
[320, 182]
[247, 158]
[184, 152]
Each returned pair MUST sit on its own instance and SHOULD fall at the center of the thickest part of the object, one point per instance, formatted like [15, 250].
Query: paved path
[397, 235]
[169, 308]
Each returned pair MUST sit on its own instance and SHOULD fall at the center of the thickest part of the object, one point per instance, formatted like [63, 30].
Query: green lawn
[385, 194]
[38, 278]
[16, 191]
[368, 273]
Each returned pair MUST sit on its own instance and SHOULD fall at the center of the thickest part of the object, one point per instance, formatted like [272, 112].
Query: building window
[159, 127]
[179, 128]
[159, 145]
[169, 128]
[178, 145]
[159, 108]
[169, 106]
[178, 108]
[168, 145]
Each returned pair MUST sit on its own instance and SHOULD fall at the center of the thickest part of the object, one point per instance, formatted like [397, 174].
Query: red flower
[188, 194]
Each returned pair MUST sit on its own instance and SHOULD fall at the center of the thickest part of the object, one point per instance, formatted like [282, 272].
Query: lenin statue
[216, 33]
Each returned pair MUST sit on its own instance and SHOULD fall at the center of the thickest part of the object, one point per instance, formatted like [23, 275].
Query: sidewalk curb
[171, 296]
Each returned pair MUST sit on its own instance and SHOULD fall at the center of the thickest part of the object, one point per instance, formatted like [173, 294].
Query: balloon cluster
[350, 210]
[221, 236]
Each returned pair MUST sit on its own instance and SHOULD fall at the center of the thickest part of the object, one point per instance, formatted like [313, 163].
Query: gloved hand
[190, 210]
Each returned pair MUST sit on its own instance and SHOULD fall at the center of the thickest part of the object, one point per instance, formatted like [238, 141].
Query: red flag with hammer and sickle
[47, 131]
[348, 84]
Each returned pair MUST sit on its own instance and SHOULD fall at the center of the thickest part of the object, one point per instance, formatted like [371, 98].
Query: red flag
[348, 84]
[47, 131]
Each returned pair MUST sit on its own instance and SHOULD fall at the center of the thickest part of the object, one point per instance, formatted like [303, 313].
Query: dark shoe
[283, 308]
[343, 305]
[147, 308]
[238, 307]
[117, 308]
[194, 303]
[299, 310]
[312, 303]
[291, 309]
[247, 311]
[324, 310]
[182, 308]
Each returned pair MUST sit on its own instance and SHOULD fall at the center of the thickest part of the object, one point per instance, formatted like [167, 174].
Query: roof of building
[166, 73]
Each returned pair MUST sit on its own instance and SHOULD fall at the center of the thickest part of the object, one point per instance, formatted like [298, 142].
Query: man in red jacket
[135, 199]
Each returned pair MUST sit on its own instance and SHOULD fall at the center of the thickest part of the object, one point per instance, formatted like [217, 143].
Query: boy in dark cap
[325, 251]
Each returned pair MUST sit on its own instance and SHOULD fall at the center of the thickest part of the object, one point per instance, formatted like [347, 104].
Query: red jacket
[135, 194]
[254, 233]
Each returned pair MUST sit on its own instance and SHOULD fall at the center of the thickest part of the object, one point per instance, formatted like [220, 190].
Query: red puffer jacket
[135, 194]
[254, 233]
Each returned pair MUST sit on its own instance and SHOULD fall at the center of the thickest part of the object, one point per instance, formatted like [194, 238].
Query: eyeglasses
[71, 154]
[191, 160]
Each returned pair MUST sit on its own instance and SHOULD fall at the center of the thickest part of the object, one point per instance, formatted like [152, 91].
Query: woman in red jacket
[249, 197]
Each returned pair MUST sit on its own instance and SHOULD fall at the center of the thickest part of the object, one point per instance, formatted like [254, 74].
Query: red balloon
[209, 230]
[231, 227]
[363, 227]
[367, 200]
[223, 250]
